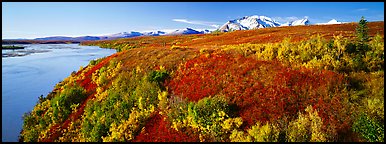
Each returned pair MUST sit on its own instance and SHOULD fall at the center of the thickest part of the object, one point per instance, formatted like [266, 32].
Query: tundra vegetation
[321, 84]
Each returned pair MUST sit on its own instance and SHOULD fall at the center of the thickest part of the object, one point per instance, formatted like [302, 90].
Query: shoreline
[11, 47]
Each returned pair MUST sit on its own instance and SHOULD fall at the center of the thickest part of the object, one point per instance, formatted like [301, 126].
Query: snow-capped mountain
[304, 21]
[244, 23]
[65, 38]
[184, 32]
[154, 33]
[206, 31]
[125, 34]
[55, 37]
[333, 21]
[256, 22]
[249, 22]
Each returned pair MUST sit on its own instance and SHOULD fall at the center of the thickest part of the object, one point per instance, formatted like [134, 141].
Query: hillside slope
[301, 83]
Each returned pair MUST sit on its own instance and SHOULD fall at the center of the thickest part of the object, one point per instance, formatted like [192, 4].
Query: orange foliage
[263, 90]
[157, 129]
[266, 35]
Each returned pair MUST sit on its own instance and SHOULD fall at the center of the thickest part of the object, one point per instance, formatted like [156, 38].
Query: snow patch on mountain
[304, 21]
[154, 33]
[333, 21]
[125, 34]
[184, 32]
[249, 22]
[257, 22]
[244, 23]
[206, 31]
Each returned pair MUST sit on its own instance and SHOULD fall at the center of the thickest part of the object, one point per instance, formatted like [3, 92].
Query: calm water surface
[34, 71]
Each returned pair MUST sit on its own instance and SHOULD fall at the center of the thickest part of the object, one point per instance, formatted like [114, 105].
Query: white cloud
[205, 23]
[216, 26]
[183, 21]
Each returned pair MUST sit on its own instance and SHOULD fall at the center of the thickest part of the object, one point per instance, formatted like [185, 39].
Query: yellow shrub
[177, 47]
[306, 128]
[232, 123]
[126, 131]
[239, 136]
[72, 134]
[101, 94]
[265, 133]
[375, 106]
[95, 75]
[340, 44]
[270, 52]
[203, 50]
[163, 100]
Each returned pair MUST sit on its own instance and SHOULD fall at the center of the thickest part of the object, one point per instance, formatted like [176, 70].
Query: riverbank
[11, 47]
[24, 78]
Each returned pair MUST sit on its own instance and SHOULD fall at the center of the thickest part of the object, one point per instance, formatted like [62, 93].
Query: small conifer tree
[362, 31]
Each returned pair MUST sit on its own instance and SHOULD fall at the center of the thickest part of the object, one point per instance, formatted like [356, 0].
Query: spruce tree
[361, 46]
[362, 31]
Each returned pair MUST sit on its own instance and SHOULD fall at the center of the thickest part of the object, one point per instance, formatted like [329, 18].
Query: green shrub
[29, 136]
[146, 94]
[62, 103]
[369, 129]
[96, 61]
[29, 120]
[207, 110]
[121, 109]
[158, 76]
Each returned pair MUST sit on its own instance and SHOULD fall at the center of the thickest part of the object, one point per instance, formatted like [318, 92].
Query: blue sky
[41, 19]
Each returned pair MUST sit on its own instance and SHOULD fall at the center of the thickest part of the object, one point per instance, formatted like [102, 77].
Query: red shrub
[158, 130]
[263, 90]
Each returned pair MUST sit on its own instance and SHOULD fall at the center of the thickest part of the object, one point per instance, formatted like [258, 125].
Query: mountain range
[249, 22]
[126, 35]
[304, 21]
[244, 23]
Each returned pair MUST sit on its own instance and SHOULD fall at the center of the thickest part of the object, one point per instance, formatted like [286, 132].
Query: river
[34, 71]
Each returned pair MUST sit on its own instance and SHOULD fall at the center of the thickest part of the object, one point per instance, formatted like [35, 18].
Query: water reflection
[35, 71]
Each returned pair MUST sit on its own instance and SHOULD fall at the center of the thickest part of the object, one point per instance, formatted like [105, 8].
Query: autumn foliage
[157, 129]
[263, 90]
[284, 84]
